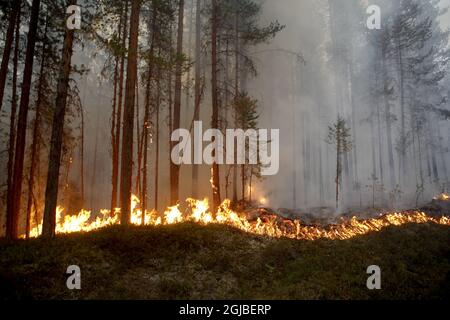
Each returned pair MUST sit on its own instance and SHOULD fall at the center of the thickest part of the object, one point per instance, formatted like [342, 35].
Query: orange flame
[266, 225]
[442, 197]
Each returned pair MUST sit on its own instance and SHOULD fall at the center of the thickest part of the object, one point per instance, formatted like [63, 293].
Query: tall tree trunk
[13, 214]
[338, 174]
[215, 102]
[138, 142]
[189, 46]
[402, 172]
[198, 90]
[82, 191]
[380, 144]
[116, 153]
[94, 162]
[114, 121]
[236, 96]
[354, 122]
[146, 131]
[387, 111]
[157, 129]
[294, 135]
[51, 192]
[13, 18]
[34, 160]
[442, 152]
[127, 140]
[432, 145]
[175, 169]
[12, 130]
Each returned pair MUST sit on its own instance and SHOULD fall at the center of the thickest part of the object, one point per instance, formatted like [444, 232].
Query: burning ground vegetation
[260, 221]
[253, 255]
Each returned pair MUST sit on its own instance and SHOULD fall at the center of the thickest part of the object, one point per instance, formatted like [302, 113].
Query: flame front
[266, 225]
[442, 197]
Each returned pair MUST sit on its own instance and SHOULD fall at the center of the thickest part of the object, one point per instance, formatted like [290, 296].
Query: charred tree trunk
[127, 140]
[157, 130]
[82, 191]
[380, 144]
[198, 90]
[13, 18]
[94, 162]
[387, 111]
[402, 172]
[146, 127]
[118, 121]
[34, 160]
[51, 193]
[13, 213]
[139, 141]
[236, 95]
[215, 102]
[12, 130]
[174, 168]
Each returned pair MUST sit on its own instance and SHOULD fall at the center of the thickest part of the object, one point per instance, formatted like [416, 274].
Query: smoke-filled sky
[445, 18]
[303, 96]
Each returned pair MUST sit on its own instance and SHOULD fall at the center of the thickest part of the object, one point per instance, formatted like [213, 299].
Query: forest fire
[266, 224]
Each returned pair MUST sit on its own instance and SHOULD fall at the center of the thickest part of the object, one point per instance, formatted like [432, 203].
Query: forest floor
[188, 261]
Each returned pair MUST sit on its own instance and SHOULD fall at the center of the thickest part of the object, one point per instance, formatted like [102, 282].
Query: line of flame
[269, 225]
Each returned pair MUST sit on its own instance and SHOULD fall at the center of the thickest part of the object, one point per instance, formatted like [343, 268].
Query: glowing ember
[266, 225]
[443, 197]
[263, 201]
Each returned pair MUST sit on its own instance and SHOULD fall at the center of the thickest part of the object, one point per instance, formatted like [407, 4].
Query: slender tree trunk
[157, 129]
[175, 169]
[215, 102]
[146, 127]
[294, 135]
[114, 122]
[250, 182]
[236, 96]
[338, 173]
[170, 106]
[138, 143]
[189, 46]
[380, 144]
[432, 145]
[34, 160]
[12, 130]
[144, 173]
[243, 182]
[82, 191]
[115, 173]
[13, 215]
[128, 122]
[94, 162]
[421, 179]
[198, 93]
[387, 111]
[442, 152]
[14, 16]
[372, 145]
[403, 116]
[354, 123]
[51, 193]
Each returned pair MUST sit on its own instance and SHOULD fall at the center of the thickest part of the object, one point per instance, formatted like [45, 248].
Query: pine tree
[339, 136]
[51, 193]
[128, 122]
